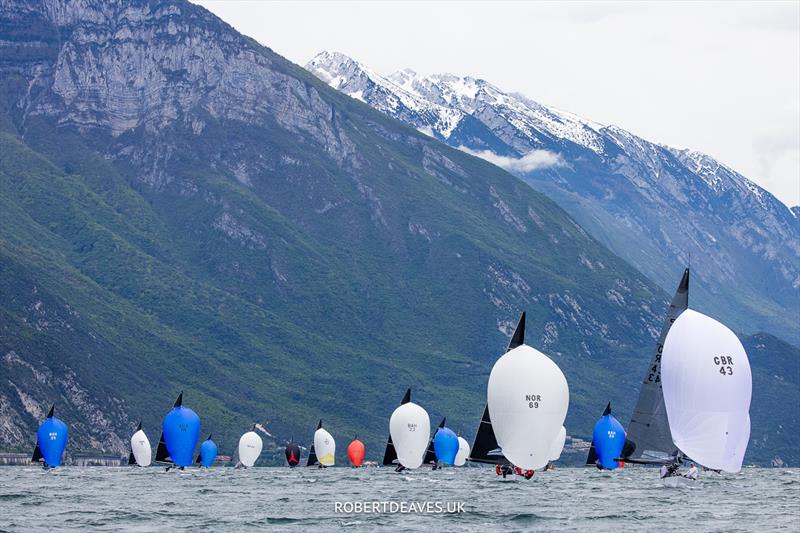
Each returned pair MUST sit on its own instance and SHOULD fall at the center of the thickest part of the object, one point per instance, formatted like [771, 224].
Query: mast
[648, 430]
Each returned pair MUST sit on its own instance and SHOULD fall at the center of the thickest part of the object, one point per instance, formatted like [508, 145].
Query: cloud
[533, 160]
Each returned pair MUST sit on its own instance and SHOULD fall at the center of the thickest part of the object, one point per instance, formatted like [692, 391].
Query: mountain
[657, 207]
[183, 209]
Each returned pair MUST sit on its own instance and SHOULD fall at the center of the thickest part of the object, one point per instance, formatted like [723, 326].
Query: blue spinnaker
[181, 432]
[445, 444]
[608, 439]
[51, 438]
[208, 452]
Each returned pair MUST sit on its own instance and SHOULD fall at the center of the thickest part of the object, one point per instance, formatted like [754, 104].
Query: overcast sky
[722, 78]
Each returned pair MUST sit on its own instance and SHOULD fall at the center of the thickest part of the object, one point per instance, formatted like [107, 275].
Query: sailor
[528, 474]
[669, 470]
[691, 473]
[503, 470]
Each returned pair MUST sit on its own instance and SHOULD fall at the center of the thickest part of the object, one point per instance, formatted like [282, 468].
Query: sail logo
[725, 364]
[533, 400]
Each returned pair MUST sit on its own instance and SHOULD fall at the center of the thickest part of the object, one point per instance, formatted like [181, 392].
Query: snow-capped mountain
[658, 207]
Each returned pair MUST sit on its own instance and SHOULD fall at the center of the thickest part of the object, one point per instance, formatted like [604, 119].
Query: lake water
[224, 499]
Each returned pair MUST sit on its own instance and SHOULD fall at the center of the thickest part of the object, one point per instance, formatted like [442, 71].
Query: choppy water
[224, 499]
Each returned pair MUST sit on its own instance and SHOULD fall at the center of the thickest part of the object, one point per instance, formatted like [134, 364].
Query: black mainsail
[430, 453]
[591, 458]
[648, 431]
[390, 455]
[484, 448]
[162, 455]
[312, 455]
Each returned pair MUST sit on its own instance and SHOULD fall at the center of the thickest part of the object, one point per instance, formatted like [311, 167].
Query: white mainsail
[250, 445]
[325, 447]
[707, 388]
[558, 444]
[463, 452]
[528, 398]
[410, 429]
[140, 448]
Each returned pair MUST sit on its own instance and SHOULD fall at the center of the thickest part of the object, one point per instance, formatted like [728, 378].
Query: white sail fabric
[528, 399]
[707, 388]
[463, 452]
[558, 444]
[410, 429]
[324, 447]
[140, 446]
[250, 445]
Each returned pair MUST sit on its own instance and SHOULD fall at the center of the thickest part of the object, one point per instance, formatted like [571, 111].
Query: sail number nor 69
[533, 400]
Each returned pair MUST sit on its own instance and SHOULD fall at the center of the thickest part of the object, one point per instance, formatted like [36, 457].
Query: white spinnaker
[528, 398]
[463, 452]
[410, 429]
[250, 445]
[707, 384]
[558, 444]
[324, 447]
[140, 446]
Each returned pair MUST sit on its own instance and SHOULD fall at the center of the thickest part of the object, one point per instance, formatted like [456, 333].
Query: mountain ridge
[651, 204]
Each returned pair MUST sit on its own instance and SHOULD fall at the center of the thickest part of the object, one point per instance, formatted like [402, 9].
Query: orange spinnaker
[355, 451]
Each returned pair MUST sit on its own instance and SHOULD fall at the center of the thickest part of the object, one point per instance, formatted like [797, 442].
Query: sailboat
[324, 446]
[390, 454]
[51, 440]
[409, 430]
[648, 431]
[445, 444]
[250, 445]
[208, 452]
[141, 452]
[608, 442]
[179, 435]
[707, 386]
[292, 453]
[430, 451]
[527, 397]
[355, 452]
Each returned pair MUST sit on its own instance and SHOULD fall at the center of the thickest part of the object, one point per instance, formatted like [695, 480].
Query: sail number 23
[725, 364]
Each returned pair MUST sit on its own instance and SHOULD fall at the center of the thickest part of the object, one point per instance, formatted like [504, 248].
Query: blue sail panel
[181, 432]
[445, 444]
[608, 439]
[51, 438]
[208, 452]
